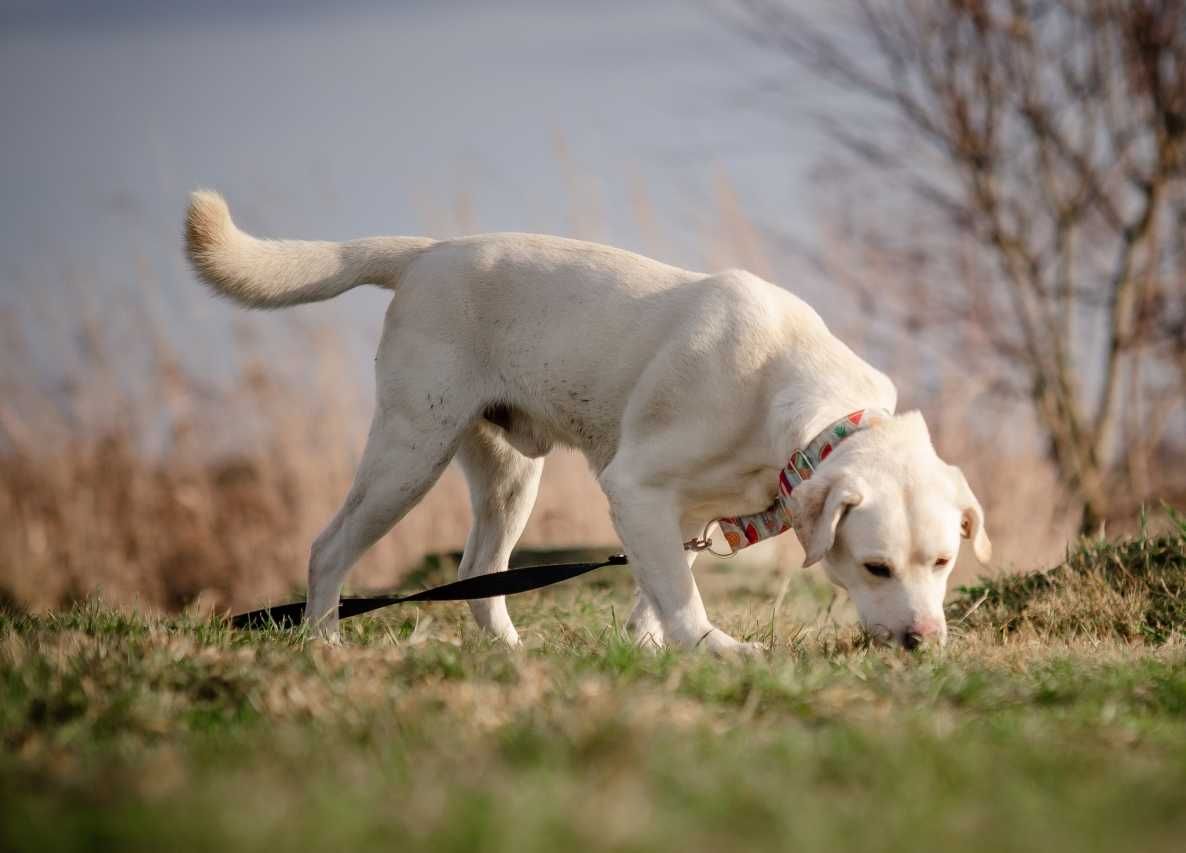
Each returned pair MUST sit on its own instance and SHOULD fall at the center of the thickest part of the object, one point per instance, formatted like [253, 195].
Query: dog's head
[885, 515]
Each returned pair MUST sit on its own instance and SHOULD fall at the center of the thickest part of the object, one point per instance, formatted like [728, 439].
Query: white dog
[686, 392]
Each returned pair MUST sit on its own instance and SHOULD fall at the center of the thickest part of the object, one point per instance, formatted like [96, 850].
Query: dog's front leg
[647, 520]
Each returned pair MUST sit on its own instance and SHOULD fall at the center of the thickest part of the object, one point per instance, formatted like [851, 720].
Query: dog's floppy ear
[971, 517]
[817, 505]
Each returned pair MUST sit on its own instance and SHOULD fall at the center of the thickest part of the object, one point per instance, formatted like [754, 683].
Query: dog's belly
[717, 491]
[535, 430]
[521, 431]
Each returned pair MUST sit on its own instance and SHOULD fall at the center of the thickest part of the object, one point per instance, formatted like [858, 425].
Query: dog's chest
[730, 490]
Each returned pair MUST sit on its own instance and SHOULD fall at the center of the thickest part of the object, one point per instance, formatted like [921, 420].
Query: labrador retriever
[686, 392]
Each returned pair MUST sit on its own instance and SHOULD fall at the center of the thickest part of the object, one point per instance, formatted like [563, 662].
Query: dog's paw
[752, 649]
[718, 643]
[648, 640]
[325, 638]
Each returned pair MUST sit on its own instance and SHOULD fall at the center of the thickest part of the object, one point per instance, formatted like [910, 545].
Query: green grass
[1055, 720]
[1127, 590]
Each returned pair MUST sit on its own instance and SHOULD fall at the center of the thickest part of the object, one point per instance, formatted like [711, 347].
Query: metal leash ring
[704, 543]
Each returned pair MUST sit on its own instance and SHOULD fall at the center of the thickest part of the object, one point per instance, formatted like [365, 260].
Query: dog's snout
[911, 640]
[922, 632]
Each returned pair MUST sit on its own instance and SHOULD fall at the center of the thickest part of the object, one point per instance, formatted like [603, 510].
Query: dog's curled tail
[276, 273]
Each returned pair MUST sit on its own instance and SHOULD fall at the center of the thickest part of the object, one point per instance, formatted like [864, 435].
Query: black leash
[509, 582]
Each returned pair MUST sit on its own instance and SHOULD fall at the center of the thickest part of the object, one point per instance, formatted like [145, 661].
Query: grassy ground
[1055, 720]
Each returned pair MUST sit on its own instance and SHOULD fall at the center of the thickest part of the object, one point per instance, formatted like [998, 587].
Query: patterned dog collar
[741, 531]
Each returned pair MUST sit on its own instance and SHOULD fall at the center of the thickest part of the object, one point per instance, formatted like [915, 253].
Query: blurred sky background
[338, 120]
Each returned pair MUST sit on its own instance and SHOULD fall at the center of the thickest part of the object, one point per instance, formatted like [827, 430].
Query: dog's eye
[880, 570]
[942, 562]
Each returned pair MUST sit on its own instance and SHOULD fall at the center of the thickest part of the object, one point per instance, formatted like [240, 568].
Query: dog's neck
[741, 531]
[798, 422]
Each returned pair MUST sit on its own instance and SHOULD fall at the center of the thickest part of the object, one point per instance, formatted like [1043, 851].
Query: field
[1054, 720]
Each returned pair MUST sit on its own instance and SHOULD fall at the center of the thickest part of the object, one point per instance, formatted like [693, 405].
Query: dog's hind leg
[414, 434]
[643, 625]
[502, 487]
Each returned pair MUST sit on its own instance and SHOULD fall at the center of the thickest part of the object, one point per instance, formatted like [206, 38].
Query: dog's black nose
[911, 640]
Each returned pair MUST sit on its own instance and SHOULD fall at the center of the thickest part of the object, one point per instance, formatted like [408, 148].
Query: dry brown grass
[173, 490]
[1129, 590]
